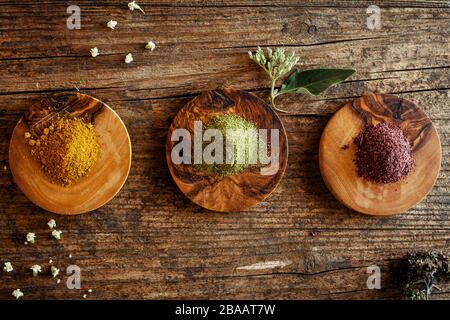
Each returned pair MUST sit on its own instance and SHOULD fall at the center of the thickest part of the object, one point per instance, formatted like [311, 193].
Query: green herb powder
[242, 135]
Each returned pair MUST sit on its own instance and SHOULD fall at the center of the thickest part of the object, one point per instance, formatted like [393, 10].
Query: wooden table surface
[150, 242]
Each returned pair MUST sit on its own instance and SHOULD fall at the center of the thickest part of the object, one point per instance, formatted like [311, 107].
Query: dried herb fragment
[423, 272]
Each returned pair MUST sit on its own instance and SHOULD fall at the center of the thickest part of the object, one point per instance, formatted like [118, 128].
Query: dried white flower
[150, 46]
[17, 294]
[5, 168]
[36, 270]
[111, 24]
[31, 237]
[56, 234]
[8, 267]
[90, 290]
[133, 5]
[94, 52]
[55, 271]
[50, 261]
[128, 58]
[58, 281]
[70, 256]
[51, 223]
[84, 296]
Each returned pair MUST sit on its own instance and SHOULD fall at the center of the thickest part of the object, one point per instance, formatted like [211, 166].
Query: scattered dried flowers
[51, 223]
[17, 294]
[94, 52]
[8, 267]
[129, 58]
[31, 237]
[133, 5]
[150, 46]
[55, 271]
[36, 270]
[111, 24]
[56, 234]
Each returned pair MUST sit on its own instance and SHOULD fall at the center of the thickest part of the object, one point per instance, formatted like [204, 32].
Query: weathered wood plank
[152, 240]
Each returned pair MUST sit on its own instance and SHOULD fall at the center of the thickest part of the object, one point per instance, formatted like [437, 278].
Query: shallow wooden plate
[104, 180]
[231, 193]
[337, 163]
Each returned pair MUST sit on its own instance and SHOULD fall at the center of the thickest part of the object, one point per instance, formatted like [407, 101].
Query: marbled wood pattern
[150, 241]
[106, 177]
[213, 191]
[337, 162]
[41, 113]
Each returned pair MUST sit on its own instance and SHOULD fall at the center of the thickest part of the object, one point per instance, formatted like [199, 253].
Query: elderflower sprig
[276, 65]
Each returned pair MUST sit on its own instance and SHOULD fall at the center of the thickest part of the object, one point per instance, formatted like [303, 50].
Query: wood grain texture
[106, 177]
[151, 241]
[236, 192]
[337, 155]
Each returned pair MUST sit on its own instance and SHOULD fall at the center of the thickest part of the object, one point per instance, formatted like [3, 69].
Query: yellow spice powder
[67, 150]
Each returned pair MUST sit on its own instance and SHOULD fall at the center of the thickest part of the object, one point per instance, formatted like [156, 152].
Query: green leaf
[314, 81]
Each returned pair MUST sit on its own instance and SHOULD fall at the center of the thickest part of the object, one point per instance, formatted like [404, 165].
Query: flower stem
[273, 95]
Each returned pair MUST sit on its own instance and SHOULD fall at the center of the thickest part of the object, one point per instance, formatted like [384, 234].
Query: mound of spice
[383, 154]
[67, 149]
[239, 131]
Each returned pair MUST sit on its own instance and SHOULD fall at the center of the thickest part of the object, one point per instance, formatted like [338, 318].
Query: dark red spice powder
[383, 154]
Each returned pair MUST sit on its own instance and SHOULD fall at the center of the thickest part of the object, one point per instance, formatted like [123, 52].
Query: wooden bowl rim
[280, 174]
[119, 188]
[351, 205]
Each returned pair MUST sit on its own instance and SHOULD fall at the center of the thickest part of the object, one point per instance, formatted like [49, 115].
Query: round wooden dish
[226, 193]
[106, 177]
[337, 153]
